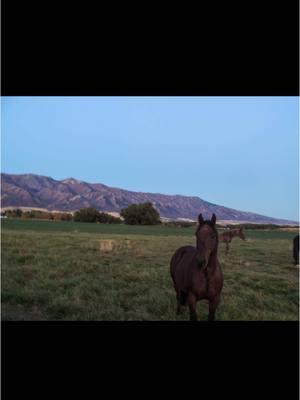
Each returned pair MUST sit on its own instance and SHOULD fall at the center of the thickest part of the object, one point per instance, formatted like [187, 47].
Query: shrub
[86, 215]
[108, 219]
[140, 214]
[16, 213]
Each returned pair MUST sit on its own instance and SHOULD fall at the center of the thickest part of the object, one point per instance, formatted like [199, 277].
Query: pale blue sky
[240, 152]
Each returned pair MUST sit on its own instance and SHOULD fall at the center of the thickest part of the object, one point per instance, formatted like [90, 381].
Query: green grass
[77, 271]
[78, 227]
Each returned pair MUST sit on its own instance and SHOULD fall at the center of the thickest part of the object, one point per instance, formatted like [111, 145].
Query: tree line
[92, 215]
[134, 214]
[37, 214]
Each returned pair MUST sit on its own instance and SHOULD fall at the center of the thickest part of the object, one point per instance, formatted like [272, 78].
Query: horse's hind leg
[227, 248]
[178, 297]
[213, 304]
[192, 301]
[178, 302]
[181, 300]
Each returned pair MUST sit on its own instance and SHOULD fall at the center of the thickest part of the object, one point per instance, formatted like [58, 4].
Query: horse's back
[223, 237]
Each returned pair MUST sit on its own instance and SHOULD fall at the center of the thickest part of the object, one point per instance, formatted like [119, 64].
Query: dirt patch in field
[296, 229]
[109, 245]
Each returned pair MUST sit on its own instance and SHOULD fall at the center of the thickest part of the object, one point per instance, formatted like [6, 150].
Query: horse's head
[207, 239]
[241, 234]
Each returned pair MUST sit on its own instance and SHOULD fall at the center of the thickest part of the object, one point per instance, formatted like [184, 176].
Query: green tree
[66, 217]
[86, 215]
[140, 214]
[108, 219]
[15, 213]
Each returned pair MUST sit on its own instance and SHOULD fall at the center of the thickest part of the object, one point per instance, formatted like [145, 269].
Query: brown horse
[196, 271]
[227, 236]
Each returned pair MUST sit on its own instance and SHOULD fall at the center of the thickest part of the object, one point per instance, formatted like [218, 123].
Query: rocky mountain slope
[37, 191]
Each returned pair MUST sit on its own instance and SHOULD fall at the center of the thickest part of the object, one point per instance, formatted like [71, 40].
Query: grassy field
[79, 271]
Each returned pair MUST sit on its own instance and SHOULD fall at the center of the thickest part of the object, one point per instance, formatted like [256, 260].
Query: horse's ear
[200, 219]
[213, 219]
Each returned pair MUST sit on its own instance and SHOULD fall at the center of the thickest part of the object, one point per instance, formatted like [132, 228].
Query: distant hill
[70, 194]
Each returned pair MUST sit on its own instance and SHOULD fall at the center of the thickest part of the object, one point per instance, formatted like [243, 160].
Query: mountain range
[36, 191]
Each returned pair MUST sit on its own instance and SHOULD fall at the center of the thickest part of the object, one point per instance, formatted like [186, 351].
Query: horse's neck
[213, 260]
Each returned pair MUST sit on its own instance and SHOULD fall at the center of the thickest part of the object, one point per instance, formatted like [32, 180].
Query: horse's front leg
[213, 304]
